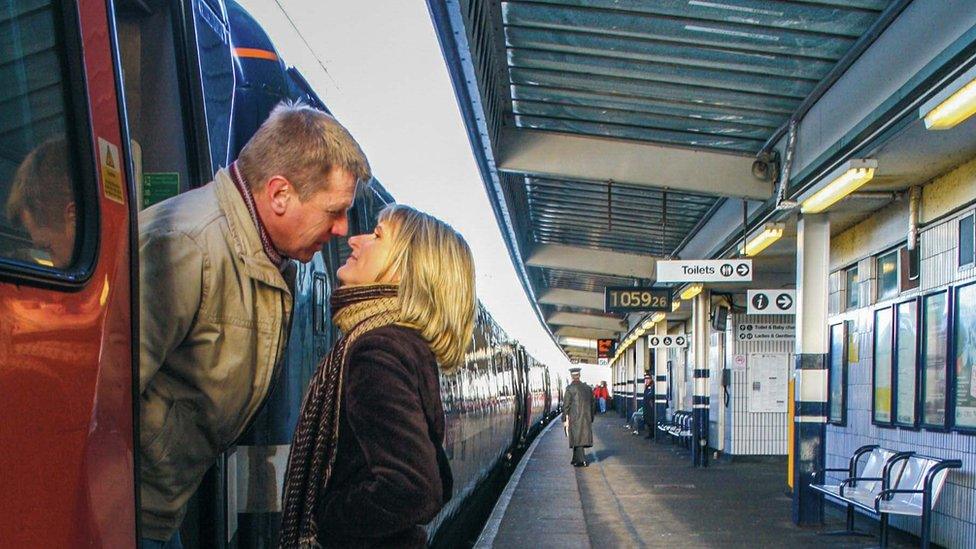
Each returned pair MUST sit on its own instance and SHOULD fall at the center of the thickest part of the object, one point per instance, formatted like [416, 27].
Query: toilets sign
[705, 270]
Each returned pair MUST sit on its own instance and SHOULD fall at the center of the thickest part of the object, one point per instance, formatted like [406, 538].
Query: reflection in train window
[40, 213]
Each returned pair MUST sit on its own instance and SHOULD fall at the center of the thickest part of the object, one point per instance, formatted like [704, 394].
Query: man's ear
[279, 192]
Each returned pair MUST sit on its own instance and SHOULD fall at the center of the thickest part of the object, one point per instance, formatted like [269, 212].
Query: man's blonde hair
[303, 145]
[437, 287]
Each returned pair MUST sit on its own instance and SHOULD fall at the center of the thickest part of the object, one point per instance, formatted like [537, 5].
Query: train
[151, 98]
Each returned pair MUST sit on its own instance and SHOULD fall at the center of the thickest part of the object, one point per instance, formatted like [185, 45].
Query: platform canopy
[612, 133]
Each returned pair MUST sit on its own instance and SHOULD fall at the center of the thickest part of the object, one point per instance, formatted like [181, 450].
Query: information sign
[768, 379]
[625, 299]
[758, 331]
[667, 341]
[771, 302]
[705, 270]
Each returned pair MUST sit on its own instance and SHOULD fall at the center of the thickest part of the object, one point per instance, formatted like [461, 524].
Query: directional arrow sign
[667, 342]
[705, 270]
[771, 302]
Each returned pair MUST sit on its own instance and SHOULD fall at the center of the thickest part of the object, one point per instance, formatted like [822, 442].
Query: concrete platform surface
[639, 493]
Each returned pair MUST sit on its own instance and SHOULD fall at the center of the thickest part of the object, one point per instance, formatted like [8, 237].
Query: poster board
[768, 382]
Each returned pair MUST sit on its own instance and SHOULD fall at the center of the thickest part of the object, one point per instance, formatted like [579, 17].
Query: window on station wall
[935, 341]
[837, 375]
[43, 168]
[964, 336]
[906, 363]
[853, 289]
[887, 270]
[967, 241]
[881, 394]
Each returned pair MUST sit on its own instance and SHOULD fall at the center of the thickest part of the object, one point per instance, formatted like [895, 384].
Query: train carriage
[138, 101]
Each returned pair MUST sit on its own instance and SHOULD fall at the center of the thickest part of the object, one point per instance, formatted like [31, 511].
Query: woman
[367, 467]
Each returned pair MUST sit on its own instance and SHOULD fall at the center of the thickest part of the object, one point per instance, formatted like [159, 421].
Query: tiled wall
[954, 520]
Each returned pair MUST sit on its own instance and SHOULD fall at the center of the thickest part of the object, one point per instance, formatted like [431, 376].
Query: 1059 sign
[625, 299]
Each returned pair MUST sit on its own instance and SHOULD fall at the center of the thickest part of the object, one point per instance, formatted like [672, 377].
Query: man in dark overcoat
[578, 417]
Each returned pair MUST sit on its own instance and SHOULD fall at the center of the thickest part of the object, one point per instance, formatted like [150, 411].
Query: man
[649, 404]
[215, 303]
[578, 417]
[42, 200]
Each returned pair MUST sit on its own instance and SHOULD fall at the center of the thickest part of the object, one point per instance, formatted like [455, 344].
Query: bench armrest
[853, 482]
[889, 465]
[886, 494]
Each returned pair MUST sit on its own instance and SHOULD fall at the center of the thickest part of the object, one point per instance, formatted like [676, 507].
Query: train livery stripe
[255, 53]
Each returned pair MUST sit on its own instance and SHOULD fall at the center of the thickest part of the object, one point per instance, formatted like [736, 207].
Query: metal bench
[899, 483]
[678, 428]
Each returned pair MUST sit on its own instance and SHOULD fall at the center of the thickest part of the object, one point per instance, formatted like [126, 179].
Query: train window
[837, 375]
[853, 289]
[935, 342]
[967, 241]
[881, 395]
[45, 212]
[888, 281]
[905, 363]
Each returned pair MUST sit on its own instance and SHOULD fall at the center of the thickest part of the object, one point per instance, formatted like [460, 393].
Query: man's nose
[341, 227]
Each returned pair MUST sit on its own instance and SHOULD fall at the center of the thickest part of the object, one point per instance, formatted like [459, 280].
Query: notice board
[768, 381]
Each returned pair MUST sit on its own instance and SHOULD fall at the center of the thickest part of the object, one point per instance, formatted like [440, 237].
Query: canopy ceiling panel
[718, 78]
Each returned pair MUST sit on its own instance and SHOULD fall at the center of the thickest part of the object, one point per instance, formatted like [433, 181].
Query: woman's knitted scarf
[355, 310]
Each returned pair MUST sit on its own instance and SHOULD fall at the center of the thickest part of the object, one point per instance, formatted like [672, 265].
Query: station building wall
[749, 432]
[945, 201]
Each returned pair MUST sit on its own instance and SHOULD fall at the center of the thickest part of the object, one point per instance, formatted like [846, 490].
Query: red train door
[66, 364]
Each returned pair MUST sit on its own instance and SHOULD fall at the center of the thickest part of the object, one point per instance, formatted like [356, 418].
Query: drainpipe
[914, 204]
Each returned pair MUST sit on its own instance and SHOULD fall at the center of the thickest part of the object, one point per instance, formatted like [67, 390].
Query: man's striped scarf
[356, 310]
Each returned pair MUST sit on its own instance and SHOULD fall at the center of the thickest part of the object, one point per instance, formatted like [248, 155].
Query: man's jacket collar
[244, 233]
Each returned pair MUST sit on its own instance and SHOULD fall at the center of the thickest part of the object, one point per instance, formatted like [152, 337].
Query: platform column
[660, 377]
[699, 451]
[810, 375]
[640, 364]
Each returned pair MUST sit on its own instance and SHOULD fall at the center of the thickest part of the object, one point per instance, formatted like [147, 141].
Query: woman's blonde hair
[437, 288]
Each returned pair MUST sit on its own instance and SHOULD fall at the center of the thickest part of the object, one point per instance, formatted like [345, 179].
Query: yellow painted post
[790, 451]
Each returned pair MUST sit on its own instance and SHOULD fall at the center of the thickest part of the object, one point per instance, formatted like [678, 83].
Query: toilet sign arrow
[771, 302]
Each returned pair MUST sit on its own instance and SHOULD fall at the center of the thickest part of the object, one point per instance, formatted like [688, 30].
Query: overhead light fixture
[641, 331]
[855, 174]
[691, 291]
[675, 305]
[953, 110]
[658, 317]
[647, 324]
[771, 233]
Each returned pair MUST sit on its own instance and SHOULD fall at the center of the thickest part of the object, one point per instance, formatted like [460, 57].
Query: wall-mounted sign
[605, 348]
[574, 360]
[759, 331]
[771, 302]
[625, 299]
[705, 270]
[667, 341]
[603, 361]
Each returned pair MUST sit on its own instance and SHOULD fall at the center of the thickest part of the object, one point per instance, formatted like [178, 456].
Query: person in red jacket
[602, 395]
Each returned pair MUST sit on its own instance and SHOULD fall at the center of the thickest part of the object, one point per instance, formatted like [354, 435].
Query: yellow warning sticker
[111, 164]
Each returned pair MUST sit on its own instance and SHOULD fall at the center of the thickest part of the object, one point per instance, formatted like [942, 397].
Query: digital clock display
[625, 299]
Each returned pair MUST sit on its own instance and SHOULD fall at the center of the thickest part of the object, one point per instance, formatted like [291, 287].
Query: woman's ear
[70, 213]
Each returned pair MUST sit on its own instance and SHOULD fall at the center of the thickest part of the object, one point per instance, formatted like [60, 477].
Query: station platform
[642, 493]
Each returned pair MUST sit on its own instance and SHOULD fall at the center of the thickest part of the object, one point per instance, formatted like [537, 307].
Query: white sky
[387, 83]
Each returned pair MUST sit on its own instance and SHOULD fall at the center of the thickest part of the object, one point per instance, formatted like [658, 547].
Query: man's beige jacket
[214, 316]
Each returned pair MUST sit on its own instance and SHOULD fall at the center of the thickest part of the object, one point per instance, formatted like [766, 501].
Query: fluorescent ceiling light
[658, 317]
[770, 233]
[691, 291]
[958, 107]
[856, 174]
